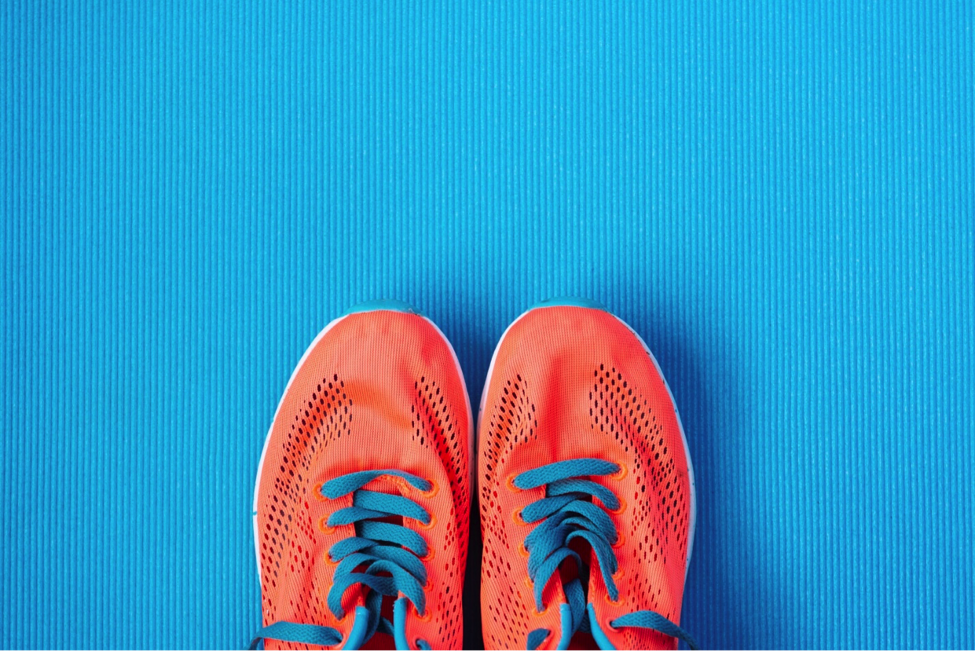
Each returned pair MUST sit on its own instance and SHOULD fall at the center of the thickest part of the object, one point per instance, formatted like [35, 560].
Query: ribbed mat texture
[779, 196]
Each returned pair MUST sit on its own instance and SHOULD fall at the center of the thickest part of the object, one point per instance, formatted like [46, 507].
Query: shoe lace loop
[377, 547]
[388, 558]
[565, 513]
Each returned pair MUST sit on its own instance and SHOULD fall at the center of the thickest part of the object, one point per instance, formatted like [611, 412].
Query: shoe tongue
[390, 485]
[584, 572]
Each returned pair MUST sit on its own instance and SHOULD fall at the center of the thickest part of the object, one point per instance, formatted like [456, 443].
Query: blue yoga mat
[779, 196]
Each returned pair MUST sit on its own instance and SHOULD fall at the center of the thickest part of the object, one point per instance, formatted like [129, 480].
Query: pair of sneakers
[363, 494]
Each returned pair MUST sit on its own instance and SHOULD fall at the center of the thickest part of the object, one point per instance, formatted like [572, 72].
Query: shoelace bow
[565, 514]
[378, 548]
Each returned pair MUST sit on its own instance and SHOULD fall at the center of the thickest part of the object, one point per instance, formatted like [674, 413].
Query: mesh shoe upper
[377, 390]
[574, 383]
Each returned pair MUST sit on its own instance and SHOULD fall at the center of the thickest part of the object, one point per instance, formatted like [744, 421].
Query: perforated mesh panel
[395, 400]
[659, 505]
[433, 426]
[548, 400]
[513, 420]
[289, 536]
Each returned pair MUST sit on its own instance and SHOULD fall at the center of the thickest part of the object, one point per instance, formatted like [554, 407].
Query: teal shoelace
[389, 556]
[566, 513]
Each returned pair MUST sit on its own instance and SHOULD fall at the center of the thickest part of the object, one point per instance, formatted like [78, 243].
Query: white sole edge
[472, 460]
[680, 426]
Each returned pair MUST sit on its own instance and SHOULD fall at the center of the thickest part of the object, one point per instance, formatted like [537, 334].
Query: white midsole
[267, 439]
[680, 426]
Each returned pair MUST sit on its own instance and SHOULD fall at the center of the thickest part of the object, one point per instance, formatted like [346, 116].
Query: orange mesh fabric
[378, 390]
[573, 382]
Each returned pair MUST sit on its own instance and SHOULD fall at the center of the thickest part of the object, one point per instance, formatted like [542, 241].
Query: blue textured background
[780, 198]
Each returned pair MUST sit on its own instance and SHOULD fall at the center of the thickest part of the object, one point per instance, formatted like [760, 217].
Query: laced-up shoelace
[378, 548]
[565, 514]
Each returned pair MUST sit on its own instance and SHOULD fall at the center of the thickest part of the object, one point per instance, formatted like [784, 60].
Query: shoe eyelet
[620, 541]
[429, 525]
[619, 510]
[522, 550]
[329, 561]
[429, 555]
[345, 611]
[510, 483]
[317, 493]
[617, 603]
[426, 617]
[621, 473]
[323, 526]
[516, 516]
[435, 488]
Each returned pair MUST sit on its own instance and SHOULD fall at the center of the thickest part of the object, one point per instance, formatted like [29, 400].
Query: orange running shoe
[586, 486]
[362, 502]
